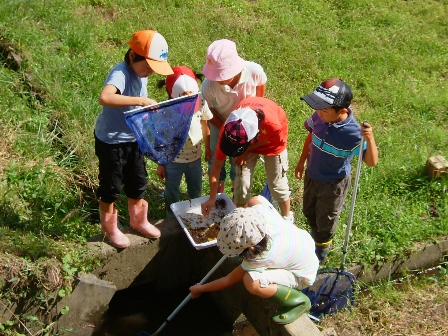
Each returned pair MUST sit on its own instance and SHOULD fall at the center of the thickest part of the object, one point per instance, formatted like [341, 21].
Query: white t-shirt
[192, 149]
[224, 99]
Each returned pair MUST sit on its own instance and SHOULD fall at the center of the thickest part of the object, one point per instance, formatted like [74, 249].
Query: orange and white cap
[152, 45]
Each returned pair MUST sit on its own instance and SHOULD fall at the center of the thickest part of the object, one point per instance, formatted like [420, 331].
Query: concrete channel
[172, 262]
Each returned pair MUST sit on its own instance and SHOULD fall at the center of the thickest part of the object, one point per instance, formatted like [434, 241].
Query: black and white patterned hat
[241, 228]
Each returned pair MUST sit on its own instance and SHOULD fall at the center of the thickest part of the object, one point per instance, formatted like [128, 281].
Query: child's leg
[276, 167]
[294, 303]
[214, 133]
[244, 180]
[109, 225]
[174, 172]
[193, 177]
[329, 205]
[110, 172]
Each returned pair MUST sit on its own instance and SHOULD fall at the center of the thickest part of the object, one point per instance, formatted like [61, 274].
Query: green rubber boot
[294, 303]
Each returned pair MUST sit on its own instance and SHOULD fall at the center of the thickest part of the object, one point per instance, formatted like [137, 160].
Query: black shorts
[120, 164]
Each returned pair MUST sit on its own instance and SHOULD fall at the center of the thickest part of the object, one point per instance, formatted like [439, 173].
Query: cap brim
[162, 68]
[315, 102]
[231, 149]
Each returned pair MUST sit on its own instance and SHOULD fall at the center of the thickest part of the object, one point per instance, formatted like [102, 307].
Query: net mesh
[161, 130]
[333, 291]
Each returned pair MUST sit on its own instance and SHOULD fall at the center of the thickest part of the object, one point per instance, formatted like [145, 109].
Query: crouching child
[276, 258]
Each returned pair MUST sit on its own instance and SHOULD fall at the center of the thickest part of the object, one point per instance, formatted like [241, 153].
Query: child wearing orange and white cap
[188, 162]
[121, 162]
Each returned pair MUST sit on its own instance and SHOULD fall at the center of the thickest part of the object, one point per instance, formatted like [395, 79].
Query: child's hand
[299, 170]
[161, 173]
[208, 154]
[195, 291]
[147, 101]
[366, 130]
[242, 159]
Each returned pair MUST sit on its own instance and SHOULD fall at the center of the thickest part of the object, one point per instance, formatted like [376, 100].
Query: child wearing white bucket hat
[277, 258]
[183, 82]
[229, 79]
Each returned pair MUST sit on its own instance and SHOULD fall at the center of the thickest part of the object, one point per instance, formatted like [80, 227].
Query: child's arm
[219, 284]
[260, 90]
[303, 157]
[217, 120]
[206, 136]
[371, 153]
[110, 96]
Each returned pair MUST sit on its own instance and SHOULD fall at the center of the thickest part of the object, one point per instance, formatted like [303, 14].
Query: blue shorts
[120, 165]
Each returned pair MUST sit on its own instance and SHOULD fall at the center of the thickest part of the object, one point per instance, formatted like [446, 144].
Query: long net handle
[224, 257]
[352, 205]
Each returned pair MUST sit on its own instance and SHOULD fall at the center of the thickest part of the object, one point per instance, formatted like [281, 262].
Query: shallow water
[141, 309]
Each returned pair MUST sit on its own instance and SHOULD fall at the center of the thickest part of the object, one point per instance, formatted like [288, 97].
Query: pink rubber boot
[139, 220]
[109, 228]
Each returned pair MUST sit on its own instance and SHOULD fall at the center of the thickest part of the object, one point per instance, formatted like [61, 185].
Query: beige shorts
[278, 276]
[276, 167]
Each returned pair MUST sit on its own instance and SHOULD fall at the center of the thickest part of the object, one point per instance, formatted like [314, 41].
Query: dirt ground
[410, 309]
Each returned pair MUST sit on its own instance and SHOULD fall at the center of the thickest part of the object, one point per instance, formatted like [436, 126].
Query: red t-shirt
[274, 127]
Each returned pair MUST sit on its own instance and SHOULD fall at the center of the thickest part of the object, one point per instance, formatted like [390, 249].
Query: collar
[342, 123]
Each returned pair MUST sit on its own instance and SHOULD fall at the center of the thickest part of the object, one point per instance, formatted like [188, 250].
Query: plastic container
[194, 206]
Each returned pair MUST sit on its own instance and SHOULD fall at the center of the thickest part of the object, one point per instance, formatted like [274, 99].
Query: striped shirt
[332, 147]
[290, 248]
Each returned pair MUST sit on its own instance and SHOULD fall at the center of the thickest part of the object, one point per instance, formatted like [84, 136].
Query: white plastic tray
[194, 206]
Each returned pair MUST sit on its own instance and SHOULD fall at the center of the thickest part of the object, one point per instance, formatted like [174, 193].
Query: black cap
[332, 92]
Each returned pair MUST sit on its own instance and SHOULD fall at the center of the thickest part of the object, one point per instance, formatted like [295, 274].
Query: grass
[408, 307]
[392, 53]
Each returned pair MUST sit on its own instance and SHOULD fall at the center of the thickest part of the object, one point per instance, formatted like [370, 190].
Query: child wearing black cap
[334, 138]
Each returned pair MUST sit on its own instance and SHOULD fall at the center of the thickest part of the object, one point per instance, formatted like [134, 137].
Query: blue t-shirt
[111, 125]
[332, 147]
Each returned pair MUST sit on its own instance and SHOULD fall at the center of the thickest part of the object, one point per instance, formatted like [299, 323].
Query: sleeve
[258, 75]
[219, 155]
[117, 78]
[207, 92]
[206, 113]
[309, 123]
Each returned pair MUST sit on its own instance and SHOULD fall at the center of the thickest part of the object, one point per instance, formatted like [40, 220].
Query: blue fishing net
[333, 291]
[161, 130]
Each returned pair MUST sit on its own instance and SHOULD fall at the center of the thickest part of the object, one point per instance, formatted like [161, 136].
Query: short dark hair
[137, 57]
[251, 254]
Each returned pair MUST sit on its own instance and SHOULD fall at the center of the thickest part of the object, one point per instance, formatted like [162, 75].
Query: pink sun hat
[222, 62]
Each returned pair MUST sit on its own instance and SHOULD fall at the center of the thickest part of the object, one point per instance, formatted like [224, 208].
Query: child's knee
[252, 286]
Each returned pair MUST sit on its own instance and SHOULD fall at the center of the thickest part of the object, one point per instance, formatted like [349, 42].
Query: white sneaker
[289, 219]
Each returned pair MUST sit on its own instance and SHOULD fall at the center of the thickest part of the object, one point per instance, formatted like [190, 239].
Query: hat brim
[315, 102]
[232, 150]
[217, 75]
[160, 67]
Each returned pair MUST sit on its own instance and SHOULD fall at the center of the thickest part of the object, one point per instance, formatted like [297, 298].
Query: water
[141, 309]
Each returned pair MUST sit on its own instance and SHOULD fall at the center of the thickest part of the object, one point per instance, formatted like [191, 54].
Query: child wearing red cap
[120, 160]
[229, 79]
[188, 162]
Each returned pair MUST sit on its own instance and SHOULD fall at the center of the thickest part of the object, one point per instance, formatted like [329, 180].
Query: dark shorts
[120, 165]
[323, 202]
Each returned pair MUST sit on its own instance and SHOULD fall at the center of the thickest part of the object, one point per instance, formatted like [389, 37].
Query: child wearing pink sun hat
[229, 79]
[188, 163]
